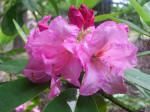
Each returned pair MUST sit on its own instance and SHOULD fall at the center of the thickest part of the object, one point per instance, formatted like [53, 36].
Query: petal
[36, 76]
[43, 23]
[45, 20]
[126, 27]
[71, 71]
[63, 30]
[75, 17]
[54, 88]
[114, 83]
[93, 79]
[106, 33]
[35, 71]
[121, 55]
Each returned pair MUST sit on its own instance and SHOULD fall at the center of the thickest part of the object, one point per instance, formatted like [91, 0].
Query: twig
[118, 102]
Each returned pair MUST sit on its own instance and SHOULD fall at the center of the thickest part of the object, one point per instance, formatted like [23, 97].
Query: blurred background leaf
[15, 12]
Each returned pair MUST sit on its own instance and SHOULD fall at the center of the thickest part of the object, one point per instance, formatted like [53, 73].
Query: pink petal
[126, 27]
[54, 89]
[93, 79]
[105, 34]
[63, 30]
[71, 71]
[114, 82]
[35, 71]
[121, 55]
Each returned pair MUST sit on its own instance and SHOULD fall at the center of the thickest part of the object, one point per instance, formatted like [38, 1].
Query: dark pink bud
[82, 17]
[84, 11]
[75, 17]
[43, 23]
[42, 27]
[89, 21]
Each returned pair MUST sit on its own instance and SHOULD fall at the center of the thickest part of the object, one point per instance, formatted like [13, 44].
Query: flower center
[83, 33]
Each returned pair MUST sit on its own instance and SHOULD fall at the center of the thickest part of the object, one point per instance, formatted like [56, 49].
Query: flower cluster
[24, 107]
[62, 48]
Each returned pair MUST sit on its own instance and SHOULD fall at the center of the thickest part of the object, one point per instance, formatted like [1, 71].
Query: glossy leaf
[15, 12]
[13, 52]
[89, 3]
[104, 17]
[4, 39]
[70, 101]
[86, 104]
[13, 66]
[141, 12]
[61, 102]
[54, 4]
[100, 102]
[137, 77]
[26, 29]
[17, 92]
[147, 9]
[144, 53]
[20, 31]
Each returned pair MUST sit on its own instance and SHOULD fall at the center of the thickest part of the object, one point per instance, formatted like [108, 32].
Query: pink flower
[24, 107]
[64, 49]
[82, 17]
[105, 55]
[35, 71]
[45, 44]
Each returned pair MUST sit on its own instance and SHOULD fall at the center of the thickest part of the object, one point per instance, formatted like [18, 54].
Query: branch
[118, 102]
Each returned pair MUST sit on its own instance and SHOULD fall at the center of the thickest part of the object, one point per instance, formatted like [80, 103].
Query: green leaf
[145, 92]
[15, 12]
[13, 52]
[54, 4]
[59, 103]
[86, 104]
[101, 104]
[26, 29]
[144, 53]
[147, 9]
[105, 17]
[13, 66]
[89, 3]
[3, 59]
[137, 77]
[141, 12]
[20, 31]
[4, 39]
[17, 92]
[30, 4]
[70, 101]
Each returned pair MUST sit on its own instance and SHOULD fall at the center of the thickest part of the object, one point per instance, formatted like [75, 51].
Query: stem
[118, 102]
[36, 18]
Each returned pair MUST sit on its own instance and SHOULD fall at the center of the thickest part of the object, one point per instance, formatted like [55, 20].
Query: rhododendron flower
[46, 45]
[24, 107]
[64, 49]
[105, 55]
[82, 17]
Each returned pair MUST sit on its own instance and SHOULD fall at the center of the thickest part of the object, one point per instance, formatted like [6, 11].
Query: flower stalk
[118, 102]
